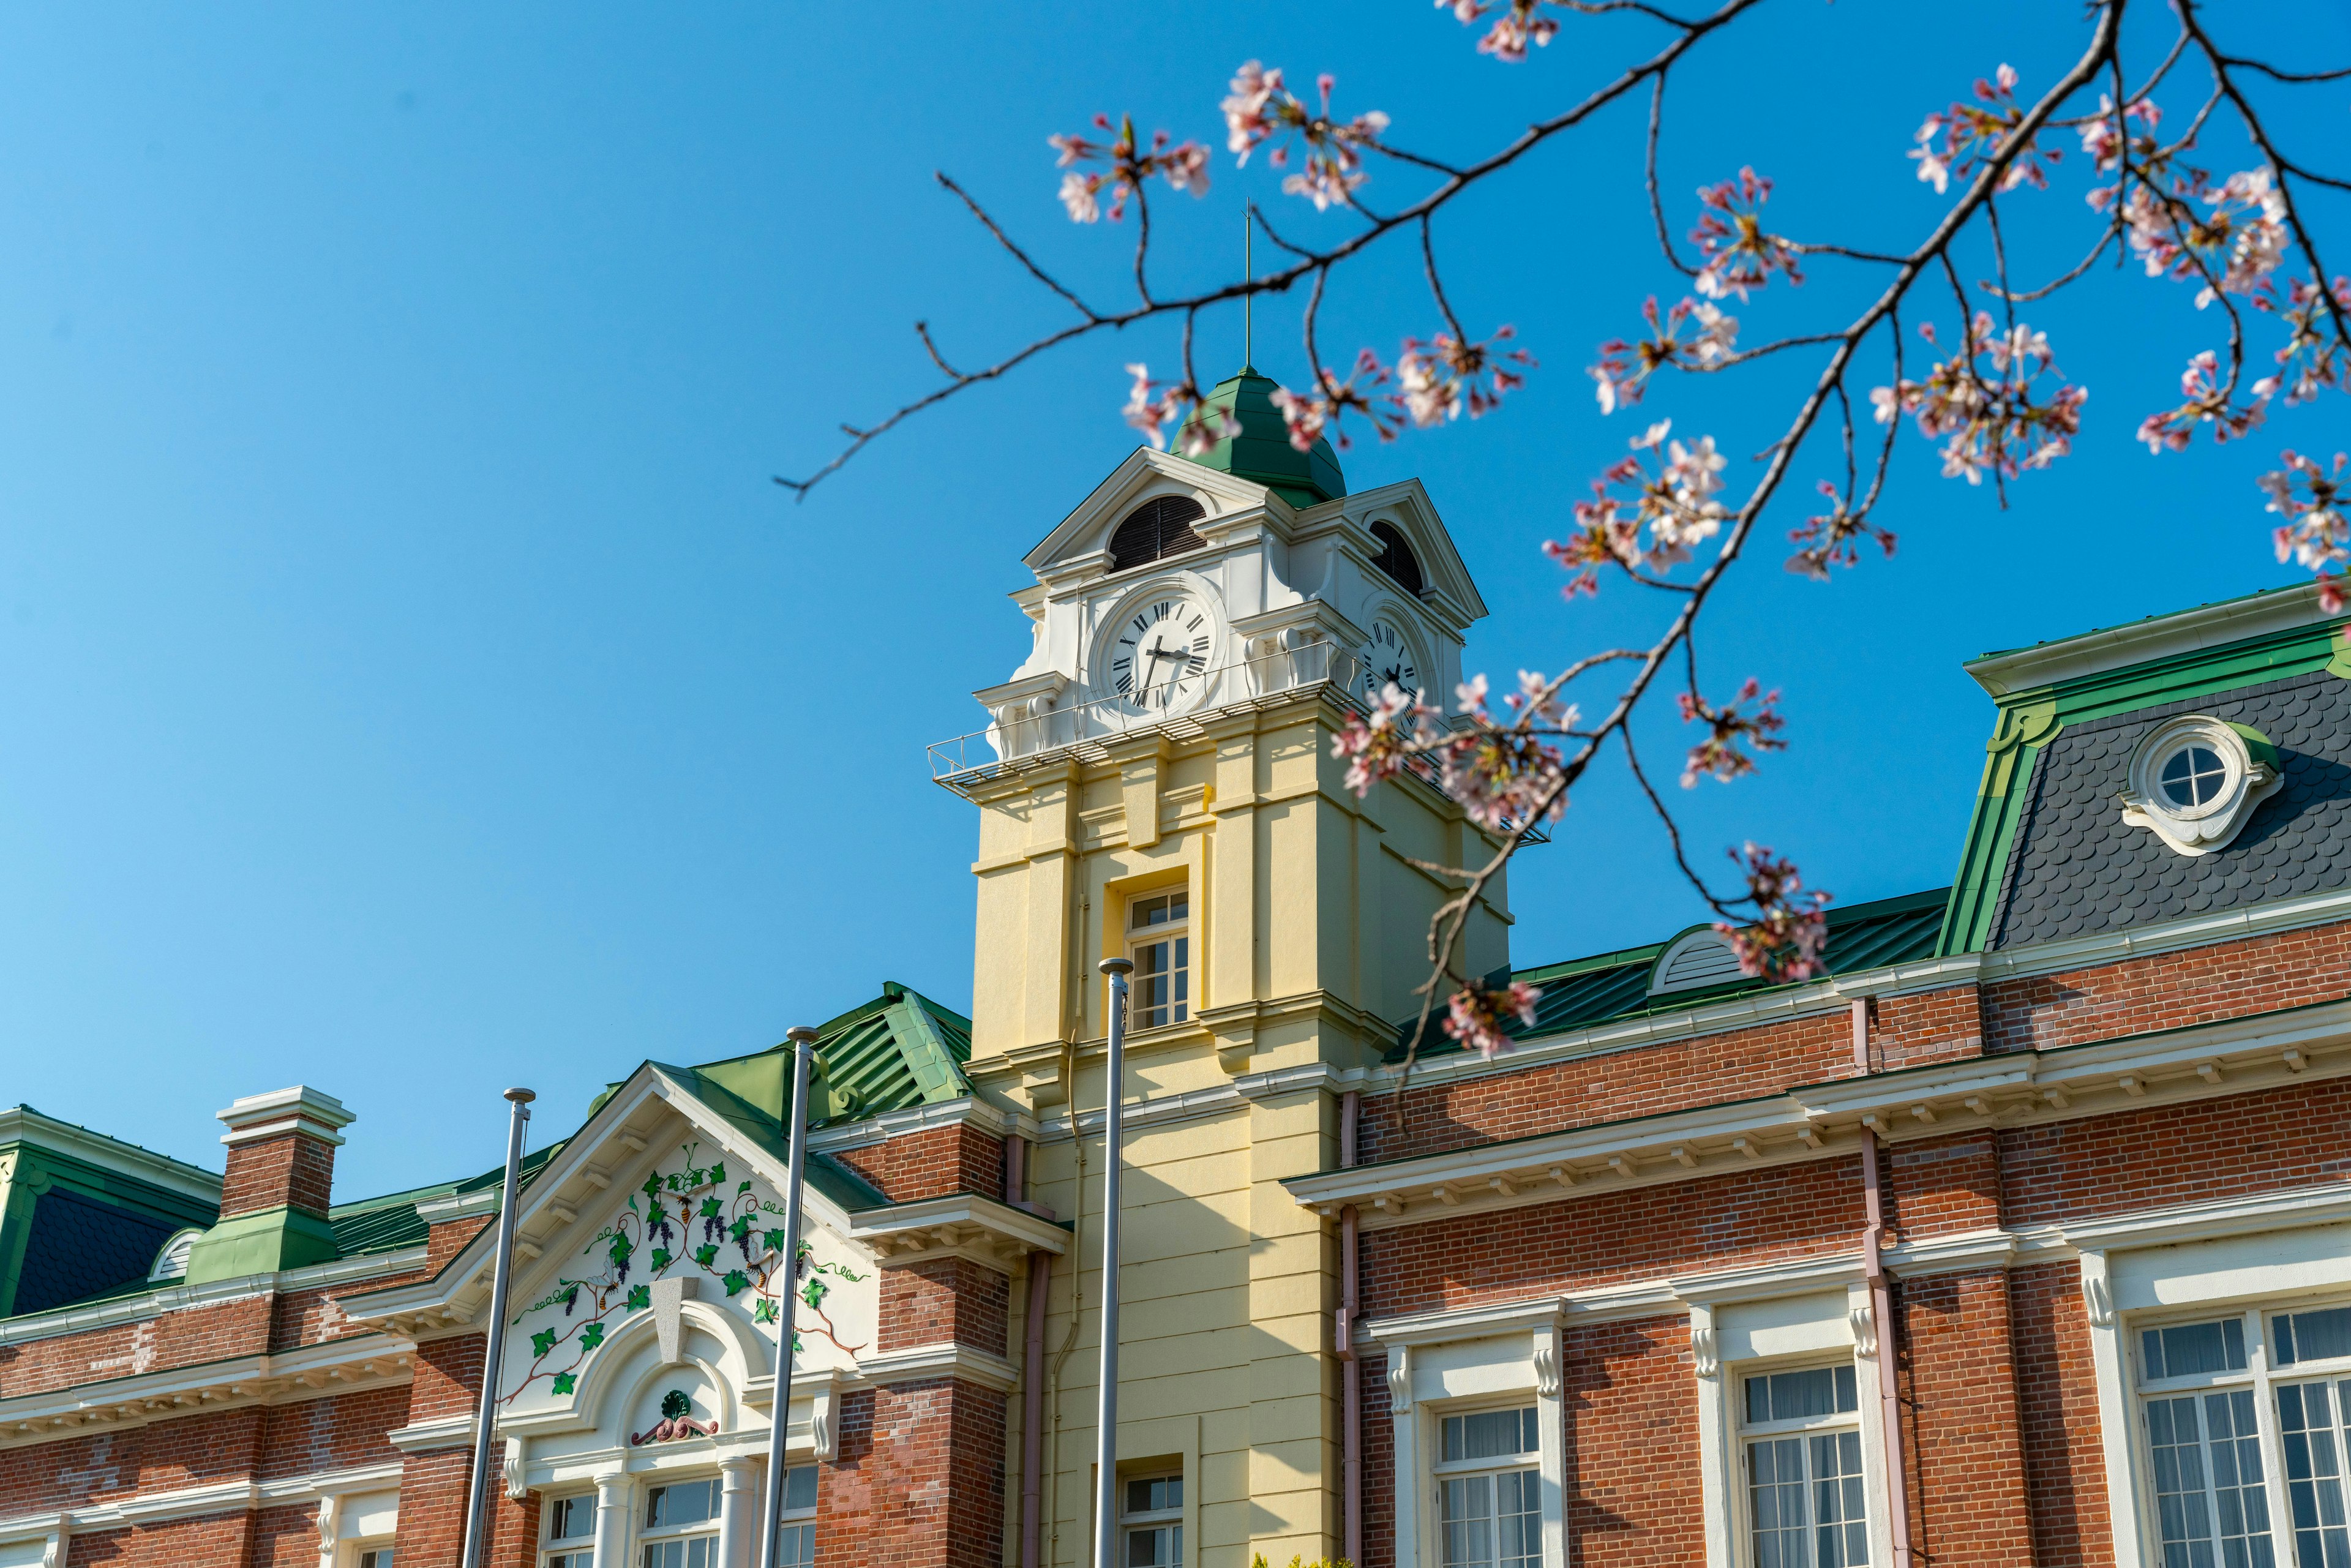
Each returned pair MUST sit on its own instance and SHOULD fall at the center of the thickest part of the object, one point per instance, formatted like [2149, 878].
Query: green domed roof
[1262, 452]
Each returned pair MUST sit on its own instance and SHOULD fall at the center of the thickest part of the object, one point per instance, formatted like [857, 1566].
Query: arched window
[1396, 558]
[1160, 527]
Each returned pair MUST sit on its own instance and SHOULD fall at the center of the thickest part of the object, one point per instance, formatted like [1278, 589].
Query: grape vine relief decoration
[686, 1223]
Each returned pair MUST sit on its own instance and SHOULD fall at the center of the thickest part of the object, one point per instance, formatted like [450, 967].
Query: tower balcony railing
[1038, 730]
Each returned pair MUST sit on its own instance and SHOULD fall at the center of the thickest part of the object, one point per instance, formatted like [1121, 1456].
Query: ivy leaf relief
[642, 1296]
[542, 1342]
[704, 1255]
[736, 1282]
[592, 1335]
[566, 1382]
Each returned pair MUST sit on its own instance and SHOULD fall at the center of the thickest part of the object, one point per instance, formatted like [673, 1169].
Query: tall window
[681, 1529]
[1801, 1437]
[1488, 1499]
[376, 1557]
[1151, 1520]
[1158, 930]
[799, 1518]
[570, 1533]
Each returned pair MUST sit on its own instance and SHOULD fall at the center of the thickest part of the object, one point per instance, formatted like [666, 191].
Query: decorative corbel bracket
[994, 1235]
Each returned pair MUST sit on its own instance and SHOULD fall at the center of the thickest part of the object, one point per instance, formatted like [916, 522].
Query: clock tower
[1155, 781]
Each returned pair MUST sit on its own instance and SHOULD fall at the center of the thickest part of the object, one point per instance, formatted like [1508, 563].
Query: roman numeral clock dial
[1157, 654]
[1387, 661]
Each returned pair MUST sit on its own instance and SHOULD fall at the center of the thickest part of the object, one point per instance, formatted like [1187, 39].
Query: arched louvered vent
[1160, 527]
[1696, 960]
[171, 1262]
[1396, 558]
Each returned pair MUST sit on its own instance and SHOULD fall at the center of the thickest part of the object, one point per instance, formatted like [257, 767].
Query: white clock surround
[1289, 595]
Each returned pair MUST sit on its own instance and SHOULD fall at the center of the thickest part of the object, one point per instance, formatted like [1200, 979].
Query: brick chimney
[281, 1150]
[281, 1172]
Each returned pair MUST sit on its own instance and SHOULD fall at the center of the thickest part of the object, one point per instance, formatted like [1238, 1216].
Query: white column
[614, 1497]
[738, 1512]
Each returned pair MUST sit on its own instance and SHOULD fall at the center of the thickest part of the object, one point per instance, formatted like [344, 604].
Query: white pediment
[1086, 531]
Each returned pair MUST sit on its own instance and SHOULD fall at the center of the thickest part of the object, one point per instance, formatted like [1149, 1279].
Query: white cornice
[24, 1124]
[187, 1502]
[70, 1320]
[459, 1206]
[989, 1119]
[921, 1362]
[961, 1224]
[311, 1372]
[2233, 1056]
[1838, 992]
[2157, 637]
[423, 1436]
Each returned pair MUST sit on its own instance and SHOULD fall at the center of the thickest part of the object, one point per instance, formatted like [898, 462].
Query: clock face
[1387, 661]
[1158, 653]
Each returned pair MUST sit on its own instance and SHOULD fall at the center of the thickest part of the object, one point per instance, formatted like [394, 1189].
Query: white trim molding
[945, 1359]
[961, 1224]
[119, 1404]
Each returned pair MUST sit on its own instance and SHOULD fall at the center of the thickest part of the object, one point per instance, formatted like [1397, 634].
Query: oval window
[2193, 776]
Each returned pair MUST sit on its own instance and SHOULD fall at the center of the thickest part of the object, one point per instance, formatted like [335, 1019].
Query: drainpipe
[1032, 1364]
[1350, 1370]
[1881, 1309]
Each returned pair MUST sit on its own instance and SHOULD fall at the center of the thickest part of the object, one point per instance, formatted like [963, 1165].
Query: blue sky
[411, 683]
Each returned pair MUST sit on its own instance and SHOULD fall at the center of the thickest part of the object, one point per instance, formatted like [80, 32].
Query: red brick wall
[2239, 1143]
[918, 1482]
[293, 1169]
[2057, 1405]
[332, 1433]
[211, 1541]
[182, 1338]
[1720, 1222]
[1634, 1497]
[432, 1530]
[1930, 1026]
[448, 1377]
[945, 1298]
[933, 1163]
[1379, 1464]
[2228, 979]
[283, 1538]
[1962, 1443]
[1939, 1186]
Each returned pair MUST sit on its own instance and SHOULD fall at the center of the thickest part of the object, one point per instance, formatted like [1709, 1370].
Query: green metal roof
[1606, 986]
[1261, 451]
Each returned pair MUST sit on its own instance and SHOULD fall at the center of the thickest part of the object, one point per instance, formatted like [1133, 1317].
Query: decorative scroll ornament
[2098, 1300]
[1705, 1350]
[1400, 1380]
[330, 1512]
[677, 1421]
[1547, 1363]
[1864, 1331]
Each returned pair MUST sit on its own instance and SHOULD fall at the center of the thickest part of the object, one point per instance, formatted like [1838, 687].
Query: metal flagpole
[803, 1040]
[477, 1506]
[1106, 1418]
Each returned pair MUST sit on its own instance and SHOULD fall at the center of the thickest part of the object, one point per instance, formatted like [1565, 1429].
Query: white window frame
[1748, 1434]
[1454, 1364]
[1130, 1520]
[1441, 1470]
[791, 1516]
[643, 1535]
[1733, 1339]
[2263, 1253]
[1137, 938]
[549, 1548]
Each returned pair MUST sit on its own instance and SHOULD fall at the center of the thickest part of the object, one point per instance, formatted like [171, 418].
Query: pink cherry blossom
[1953, 143]
[1480, 1018]
[1438, 379]
[1185, 166]
[1150, 406]
[2209, 403]
[1722, 754]
[1260, 110]
[2315, 533]
[2312, 358]
[1516, 24]
[1693, 335]
[1739, 255]
[1307, 416]
[1376, 745]
[1829, 538]
[1981, 399]
[1786, 940]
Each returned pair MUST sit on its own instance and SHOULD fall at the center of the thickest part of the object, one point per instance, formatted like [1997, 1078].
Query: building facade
[2022, 1235]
